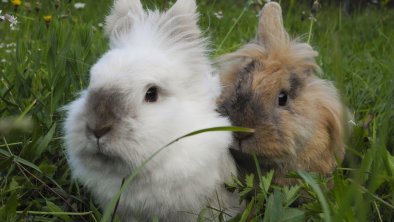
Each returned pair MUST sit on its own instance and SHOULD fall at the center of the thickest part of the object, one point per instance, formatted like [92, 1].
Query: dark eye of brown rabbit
[282, 98]
[151, 95]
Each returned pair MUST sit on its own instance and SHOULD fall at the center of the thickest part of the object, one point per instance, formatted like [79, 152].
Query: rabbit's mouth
[99, 156]
[247, 162]
[101, 152]
[104, 157]
[241, 140]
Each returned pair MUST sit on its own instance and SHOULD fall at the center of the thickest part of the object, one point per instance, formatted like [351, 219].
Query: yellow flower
[47, 18]
[16, 2]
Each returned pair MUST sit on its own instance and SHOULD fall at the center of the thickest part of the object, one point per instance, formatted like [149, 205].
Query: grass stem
[55, 213]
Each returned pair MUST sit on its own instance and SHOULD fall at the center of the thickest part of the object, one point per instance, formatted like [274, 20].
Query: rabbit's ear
[183, 18]
[183, 8]
[120, 20]
[271, 32]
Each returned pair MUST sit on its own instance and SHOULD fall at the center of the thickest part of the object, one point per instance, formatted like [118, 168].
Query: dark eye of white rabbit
[282, 98]
[151, 94]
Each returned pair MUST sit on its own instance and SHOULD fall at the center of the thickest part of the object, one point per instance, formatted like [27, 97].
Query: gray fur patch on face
[106, 107]
[243, 84]
[295, 85]
[242, 107]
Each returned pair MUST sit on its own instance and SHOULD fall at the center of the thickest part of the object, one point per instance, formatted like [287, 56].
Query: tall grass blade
[315, 187]
[111, 206]
[21, 161]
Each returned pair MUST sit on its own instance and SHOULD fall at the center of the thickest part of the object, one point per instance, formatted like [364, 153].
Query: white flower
[219, 14]
[79, 5]
[4, 1]
[12, 19]
[100, 24]
[12, 44]
[351, 122]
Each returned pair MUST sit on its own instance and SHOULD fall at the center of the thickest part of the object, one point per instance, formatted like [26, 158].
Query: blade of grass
[315, 187]
[376, 197]
[54, 213]
[111, 206]
[117, 203]
[23, 114]
[19, 159]
[231, 29]
[247, 211]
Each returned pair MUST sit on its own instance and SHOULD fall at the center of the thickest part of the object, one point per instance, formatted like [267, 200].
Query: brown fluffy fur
[306, 133]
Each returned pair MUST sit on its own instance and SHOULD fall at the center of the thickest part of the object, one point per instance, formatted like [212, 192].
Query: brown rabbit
[270, 85]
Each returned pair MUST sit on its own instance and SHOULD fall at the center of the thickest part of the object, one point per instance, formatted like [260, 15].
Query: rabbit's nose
[98, 132]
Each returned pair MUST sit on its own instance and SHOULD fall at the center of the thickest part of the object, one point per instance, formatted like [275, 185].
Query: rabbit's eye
[282, 98]
[151, 95]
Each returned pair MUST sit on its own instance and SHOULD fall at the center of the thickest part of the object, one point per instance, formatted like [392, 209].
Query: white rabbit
[154, 85]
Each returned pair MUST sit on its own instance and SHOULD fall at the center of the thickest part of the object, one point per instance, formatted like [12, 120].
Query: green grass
[43, 66]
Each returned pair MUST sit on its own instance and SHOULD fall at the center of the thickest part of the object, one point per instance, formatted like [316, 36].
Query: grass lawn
[44, 63]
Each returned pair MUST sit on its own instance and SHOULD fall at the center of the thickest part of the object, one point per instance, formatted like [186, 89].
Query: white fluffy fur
[166, 50]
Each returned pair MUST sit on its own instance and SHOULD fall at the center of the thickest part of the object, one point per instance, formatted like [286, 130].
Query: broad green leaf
[293, 215]
[274, 209]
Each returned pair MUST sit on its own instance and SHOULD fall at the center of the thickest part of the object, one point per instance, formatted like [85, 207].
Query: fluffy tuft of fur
[154, 85]
[270, 85]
